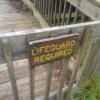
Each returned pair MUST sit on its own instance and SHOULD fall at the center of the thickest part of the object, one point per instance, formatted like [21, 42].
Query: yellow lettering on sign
[42, 58]
[33, 53]
[41, 49]
[63, 46]
[47, 49]
[36, 60]
[52, 47]
[60, 53]
[73, 42]
[69, 51]
[68, 44]
[53, 51]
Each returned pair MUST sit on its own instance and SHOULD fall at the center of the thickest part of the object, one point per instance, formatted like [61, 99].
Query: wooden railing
[14, 46]
[59, 12]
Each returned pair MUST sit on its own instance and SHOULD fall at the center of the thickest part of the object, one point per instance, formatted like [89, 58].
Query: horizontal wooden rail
[18, 40]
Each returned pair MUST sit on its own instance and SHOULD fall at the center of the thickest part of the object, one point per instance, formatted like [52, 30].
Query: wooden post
[84, 43]
[94, 58]
[8, 56]
[32, 85]
[73, 76]
[84, 66]
[88, 63]
[49, 77]
[62, 78]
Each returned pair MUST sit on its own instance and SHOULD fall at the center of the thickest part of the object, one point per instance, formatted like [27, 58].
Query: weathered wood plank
[87, 8]
[13, 19]
[7, 50]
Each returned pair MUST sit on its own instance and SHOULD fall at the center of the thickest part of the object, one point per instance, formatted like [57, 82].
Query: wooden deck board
[13, 19]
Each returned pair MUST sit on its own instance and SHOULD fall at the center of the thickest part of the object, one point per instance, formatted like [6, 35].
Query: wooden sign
[52, 49]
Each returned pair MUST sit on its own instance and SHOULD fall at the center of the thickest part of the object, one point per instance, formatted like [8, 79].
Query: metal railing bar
[59, 12]
[42, 1]
[43, 7]
[69, 14]
[46, 9]
[82, 18]
[48, 17]
[39, 5]
[37, 2]
[8, 57]
[64, 12]
[51, 13]
[55, 12]
[58, 28]
[49, 77]
[76, 15]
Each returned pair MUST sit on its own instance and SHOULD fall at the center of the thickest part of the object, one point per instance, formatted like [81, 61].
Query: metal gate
[14, 46]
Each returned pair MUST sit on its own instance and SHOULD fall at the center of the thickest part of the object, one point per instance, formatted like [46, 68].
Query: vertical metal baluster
[82, 19]
[42, 1]
[39, 5]
[64, 13]
[46, 9]
[49, 8]
[69, 14]
[49, 77]
[62, 78]
[59, 13]
[55, 12]
[75, 17]
[8, 56]
[36, 4]
[41, 9]
[51, 13]
[43, 4]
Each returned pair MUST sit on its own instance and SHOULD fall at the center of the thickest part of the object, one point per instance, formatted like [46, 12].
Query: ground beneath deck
[15, 17]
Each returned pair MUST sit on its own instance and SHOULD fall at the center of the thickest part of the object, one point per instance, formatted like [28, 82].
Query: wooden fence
[14, 46]
[60, 12]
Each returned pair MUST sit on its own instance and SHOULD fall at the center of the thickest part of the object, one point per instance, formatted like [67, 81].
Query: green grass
[91, 91]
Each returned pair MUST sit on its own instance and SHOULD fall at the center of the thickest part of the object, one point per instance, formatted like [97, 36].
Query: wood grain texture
[14, 18]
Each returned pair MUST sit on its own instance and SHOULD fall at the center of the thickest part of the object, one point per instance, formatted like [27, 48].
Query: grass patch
[91, 91]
